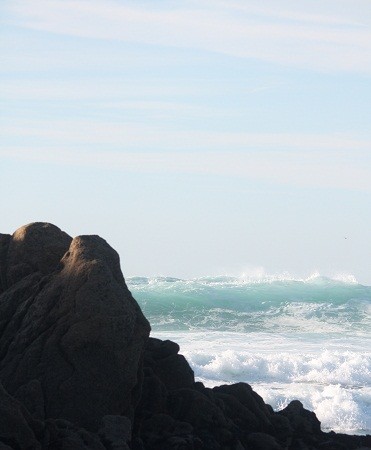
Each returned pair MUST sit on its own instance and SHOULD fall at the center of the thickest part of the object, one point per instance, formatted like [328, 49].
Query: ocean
[306, 339]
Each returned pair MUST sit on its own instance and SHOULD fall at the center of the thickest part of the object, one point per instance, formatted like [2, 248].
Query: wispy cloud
[311, 160]
[322, 13]
[288, 37]
[326, 170]
[142, 136]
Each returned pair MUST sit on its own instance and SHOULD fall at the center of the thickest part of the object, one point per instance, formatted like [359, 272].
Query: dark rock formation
[17, 427]
[78, 371]
[72, 336]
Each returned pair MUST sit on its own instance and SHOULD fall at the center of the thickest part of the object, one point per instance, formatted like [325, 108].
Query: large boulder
[37, 247]
[72, 336]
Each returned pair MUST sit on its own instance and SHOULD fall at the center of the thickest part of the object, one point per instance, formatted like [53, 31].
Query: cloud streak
[308, 169]
[291, 38]
[143, 136]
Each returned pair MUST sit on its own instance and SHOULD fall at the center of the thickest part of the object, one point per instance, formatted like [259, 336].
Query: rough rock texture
[180, 414]
[78, 371]
[17, 427]
[71, 335]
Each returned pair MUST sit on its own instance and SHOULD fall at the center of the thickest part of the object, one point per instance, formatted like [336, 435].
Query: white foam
[328, 367]
[334, 382]
[248, 276]
[345, 278]
[338, 408]
[289, 338]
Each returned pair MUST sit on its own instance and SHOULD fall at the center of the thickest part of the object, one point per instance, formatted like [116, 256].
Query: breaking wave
[308, 339]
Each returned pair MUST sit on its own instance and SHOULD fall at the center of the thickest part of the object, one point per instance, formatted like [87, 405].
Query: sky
[197, 137]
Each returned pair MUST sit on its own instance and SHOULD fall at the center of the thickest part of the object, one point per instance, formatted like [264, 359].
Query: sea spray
[308, 339]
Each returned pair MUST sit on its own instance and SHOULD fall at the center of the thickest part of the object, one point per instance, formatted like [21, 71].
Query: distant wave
[255, 278]
[314, 304]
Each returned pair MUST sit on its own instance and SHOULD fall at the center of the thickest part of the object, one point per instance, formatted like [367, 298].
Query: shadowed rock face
[71, 335]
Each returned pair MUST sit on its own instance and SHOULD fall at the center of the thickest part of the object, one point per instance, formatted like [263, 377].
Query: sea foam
[306, 339]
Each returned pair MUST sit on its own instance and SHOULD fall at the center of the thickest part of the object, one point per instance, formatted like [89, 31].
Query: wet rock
[340, 441]
[303, 422]
[244, 394]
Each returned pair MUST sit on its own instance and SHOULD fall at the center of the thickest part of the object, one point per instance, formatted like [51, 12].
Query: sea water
[289, 339]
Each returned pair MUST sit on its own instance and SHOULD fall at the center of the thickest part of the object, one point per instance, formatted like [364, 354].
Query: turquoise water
[306, 339]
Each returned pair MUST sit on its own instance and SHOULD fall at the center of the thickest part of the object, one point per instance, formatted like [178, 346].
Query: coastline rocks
[78, 370]
[72, 336]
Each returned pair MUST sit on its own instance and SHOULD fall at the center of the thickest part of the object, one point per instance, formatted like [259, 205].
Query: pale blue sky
[198, 138]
